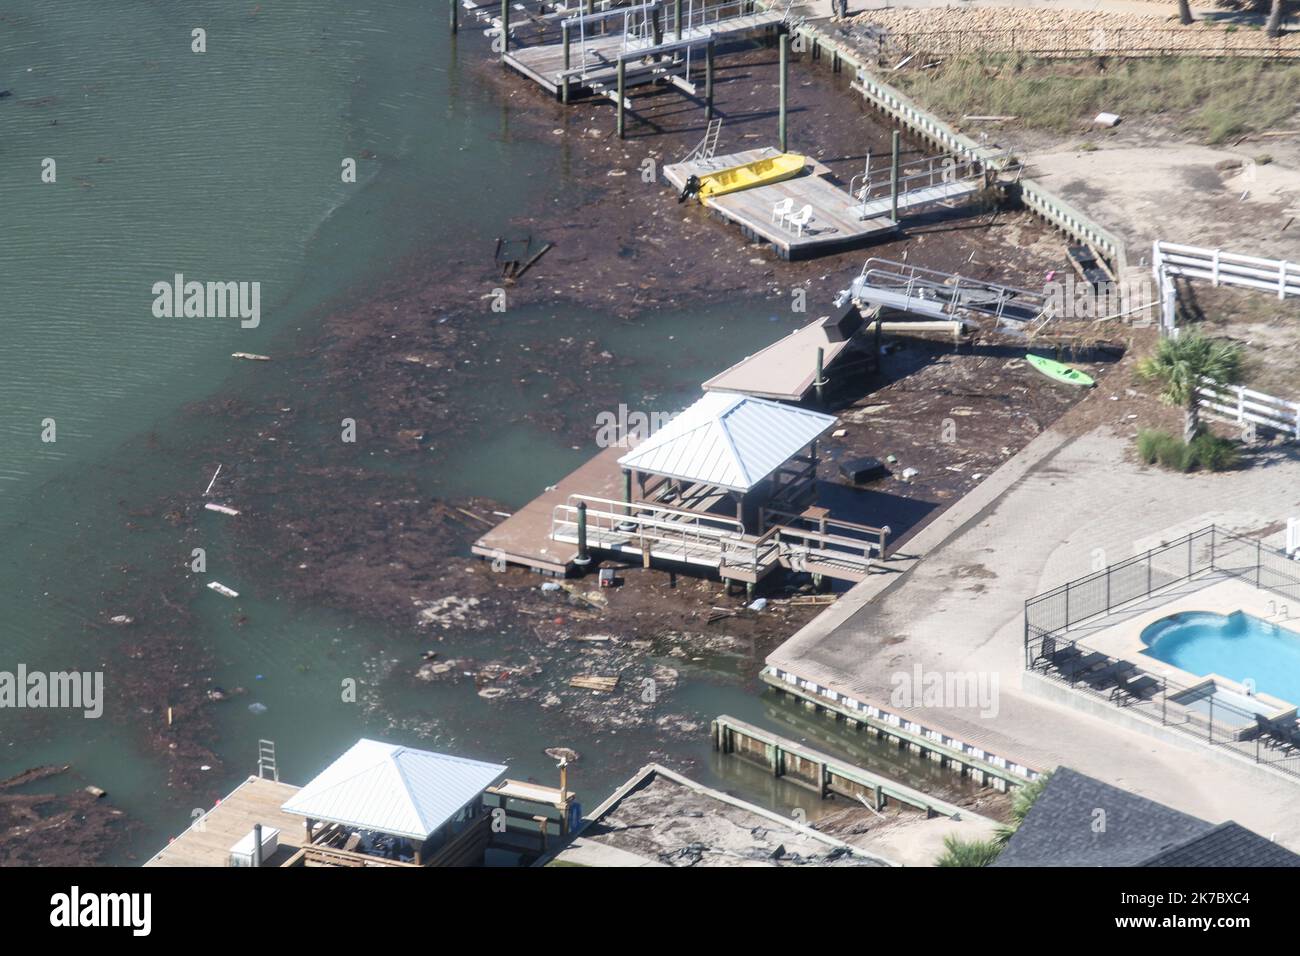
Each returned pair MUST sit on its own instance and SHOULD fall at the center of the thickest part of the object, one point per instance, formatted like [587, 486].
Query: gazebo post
[627, 524]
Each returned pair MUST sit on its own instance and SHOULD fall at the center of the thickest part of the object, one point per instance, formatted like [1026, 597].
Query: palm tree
[1179, 364]
[1185, 12]
[1022, 801]
[967, 852]
[1274, 28]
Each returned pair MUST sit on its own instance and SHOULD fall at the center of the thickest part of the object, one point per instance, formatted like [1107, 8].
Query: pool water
[1238, 646]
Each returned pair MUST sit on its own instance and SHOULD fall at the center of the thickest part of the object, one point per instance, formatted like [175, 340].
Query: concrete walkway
[1052, 514]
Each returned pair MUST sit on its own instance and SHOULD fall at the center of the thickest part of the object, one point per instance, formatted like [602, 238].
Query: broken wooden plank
[594, 682]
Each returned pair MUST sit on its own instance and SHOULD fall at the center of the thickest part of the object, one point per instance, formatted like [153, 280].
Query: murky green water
[225, 166]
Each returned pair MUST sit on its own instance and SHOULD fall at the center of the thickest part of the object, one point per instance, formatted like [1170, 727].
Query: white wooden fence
[1170, 261]
[1242, 406]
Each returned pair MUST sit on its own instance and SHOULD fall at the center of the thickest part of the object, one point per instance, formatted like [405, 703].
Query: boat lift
[945, 296]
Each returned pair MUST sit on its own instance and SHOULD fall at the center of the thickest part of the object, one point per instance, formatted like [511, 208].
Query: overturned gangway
[933, 294]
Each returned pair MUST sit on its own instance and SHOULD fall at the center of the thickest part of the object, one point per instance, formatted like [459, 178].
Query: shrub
[1206, 451]
[958, 852]
[1214, 453]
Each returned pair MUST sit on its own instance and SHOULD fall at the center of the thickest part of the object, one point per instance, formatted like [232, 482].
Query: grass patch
[1205, 451]
[1213, 99]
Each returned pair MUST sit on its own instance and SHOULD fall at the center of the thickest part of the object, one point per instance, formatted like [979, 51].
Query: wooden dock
[208, 840]
[593, 65]
[524, 537]
[833, 227]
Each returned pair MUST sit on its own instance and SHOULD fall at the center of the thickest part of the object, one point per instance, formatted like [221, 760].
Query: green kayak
[1062, 373]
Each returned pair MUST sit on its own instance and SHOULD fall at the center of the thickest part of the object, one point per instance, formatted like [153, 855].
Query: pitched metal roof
[392, 789]
[727, 440]
[787, 368]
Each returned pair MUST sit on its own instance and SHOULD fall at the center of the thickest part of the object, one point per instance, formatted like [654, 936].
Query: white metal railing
[1170, 260]
[1293, 537]
[946, 293]
[1246, 407]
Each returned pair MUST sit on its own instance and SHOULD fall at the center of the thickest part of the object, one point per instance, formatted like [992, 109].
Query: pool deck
[1120, 636]
[959, 609]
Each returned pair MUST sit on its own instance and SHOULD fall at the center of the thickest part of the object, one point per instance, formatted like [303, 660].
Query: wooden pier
[833, 227]
[591, 63]
[525, 537]
[208, 841]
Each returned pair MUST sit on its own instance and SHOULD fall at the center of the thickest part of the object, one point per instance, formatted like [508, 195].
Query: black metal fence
[1194, 709]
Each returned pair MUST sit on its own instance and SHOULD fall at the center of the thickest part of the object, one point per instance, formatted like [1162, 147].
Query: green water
[225, 166]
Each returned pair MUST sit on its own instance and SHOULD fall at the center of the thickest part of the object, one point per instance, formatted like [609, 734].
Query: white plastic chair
[781, 209]
[800, 219]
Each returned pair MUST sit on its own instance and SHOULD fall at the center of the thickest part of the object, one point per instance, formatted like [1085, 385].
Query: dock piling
[584, 557]
[505, 28]
[785, 75]
[677, 19]
[708, 80]
[893, 180]
[622, 87]
[455, 15]
[820, 380]
[564, 81]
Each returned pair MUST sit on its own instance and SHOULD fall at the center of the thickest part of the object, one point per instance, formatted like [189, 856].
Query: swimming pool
[1238, 646]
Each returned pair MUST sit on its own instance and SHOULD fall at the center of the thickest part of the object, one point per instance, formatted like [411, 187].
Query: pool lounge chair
[1077, 670]
[1135, 688]
[1278, 734]
[1107, 675]
[1050, 655]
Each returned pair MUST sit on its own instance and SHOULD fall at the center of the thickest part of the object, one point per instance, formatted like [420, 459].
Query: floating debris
[222, 589]
[223, 509]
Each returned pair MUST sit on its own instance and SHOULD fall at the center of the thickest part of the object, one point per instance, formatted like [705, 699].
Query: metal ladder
[706, 148]
[266, 760]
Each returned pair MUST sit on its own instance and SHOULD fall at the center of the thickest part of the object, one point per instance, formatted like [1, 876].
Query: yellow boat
[761, 172]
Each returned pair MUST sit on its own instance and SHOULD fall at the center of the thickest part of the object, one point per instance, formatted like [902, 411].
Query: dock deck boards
[833, 226]
[543, 63]
[524, 537]
[208, 841]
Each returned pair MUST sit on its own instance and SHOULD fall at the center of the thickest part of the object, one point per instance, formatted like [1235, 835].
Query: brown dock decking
[524, 537]
[833, 228]
[208, 841]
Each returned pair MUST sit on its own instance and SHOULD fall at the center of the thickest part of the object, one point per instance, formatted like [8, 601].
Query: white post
[1281, 280]
[1292, 536]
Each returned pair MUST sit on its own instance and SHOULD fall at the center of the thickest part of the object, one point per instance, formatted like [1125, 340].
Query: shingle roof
[391, 789]
[1228, 844]
[728, 441]
[1065, 828]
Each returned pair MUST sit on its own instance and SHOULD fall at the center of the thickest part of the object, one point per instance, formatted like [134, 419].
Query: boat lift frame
[943, 295]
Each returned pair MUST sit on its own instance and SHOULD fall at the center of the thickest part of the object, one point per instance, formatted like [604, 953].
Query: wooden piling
[454, 5]
[785, 71]
[677, 19]
[505, 28]
[708, 80]
[564, 81]
[622, 89]
[819, 381]
[893, 179]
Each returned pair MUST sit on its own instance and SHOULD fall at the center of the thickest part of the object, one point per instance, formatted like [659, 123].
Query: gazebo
[380, 804]
[729, 453]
